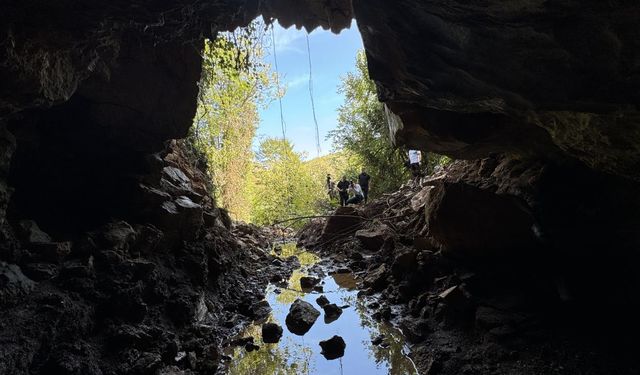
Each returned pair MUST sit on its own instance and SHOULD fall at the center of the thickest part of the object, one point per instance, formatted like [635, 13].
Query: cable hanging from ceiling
[313, 105]
[275, 61]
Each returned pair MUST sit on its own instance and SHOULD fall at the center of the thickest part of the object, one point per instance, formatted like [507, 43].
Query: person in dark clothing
[343, 190]
[363, 180]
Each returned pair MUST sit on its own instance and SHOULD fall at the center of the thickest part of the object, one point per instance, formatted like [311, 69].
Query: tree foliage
[363, 131]
[235, 82]
[284, 187]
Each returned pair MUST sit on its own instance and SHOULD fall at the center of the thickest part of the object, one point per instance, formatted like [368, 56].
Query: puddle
[301, 354]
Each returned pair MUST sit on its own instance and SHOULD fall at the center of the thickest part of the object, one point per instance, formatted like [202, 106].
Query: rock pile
[135, 297]
[465, 261]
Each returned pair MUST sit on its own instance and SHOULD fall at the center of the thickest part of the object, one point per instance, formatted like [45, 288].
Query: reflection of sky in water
[301, 354]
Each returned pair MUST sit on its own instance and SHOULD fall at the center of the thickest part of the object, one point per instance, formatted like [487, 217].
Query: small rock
[307, 282]
[301, 317]
[251, 347]
[331, 312]
[322, 301]
[333, 348]
[271, 333]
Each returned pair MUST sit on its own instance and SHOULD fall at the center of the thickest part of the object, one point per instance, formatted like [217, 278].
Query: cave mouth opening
[264, 85]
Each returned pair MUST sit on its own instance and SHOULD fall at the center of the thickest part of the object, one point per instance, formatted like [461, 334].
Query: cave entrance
[271, 101]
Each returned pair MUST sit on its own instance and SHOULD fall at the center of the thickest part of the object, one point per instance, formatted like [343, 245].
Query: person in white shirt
[358, 196]
[415, 157]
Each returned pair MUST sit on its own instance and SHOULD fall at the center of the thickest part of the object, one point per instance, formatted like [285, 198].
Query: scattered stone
[271, 333]
[384, 313]
[404, 262]
[372, 239]
[13, 283]
[251, 347]
[322, 301]
[376, 279]
[242, 341]
[421, 198]
[30, 232]
[261, 310]
[308, 282]
[333, 348]
[301, 317]
[331, 312]
[415, 330]
[40, 271]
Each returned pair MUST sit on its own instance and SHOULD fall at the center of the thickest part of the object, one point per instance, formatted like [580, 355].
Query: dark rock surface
[301, 317]
[483, 301]
[126, 298]
[308, 282]
[106, 228]
[333, 348]
[547, 78]
[331, 312]
[322, 301]
[271, 333]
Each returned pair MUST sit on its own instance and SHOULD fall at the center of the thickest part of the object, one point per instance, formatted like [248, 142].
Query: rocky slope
[134, 298]
[461, 264]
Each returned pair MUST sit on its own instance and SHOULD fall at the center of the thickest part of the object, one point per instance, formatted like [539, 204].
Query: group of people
[356, 190]
[350, 191]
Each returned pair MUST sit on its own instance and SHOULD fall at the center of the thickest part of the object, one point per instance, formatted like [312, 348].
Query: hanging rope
[313, 106]
[275, 60]
[282, 123]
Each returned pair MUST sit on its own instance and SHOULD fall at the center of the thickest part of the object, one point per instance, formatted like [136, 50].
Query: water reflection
[301, 355]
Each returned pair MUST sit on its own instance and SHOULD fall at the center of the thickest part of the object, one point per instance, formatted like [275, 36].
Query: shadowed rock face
[551, 78]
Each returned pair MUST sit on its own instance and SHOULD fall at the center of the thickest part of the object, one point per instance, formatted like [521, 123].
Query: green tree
[362, 130]
[235, 82]
[284, 186]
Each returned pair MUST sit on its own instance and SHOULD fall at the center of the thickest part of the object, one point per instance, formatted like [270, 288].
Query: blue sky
[332, 56]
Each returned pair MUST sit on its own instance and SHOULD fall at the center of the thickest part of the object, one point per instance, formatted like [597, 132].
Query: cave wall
[552, 79]
[91, 91]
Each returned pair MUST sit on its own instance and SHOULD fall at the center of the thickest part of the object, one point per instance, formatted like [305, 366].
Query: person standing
[415, 157]
[329, 186]
[363, 180]
[343, 190]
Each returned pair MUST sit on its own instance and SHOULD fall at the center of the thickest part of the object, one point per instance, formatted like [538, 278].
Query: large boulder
[301, 317]
[471, 222]
[373, 239]
[376, 278]
[343, 222]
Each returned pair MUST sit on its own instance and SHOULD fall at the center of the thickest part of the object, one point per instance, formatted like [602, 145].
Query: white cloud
[297, 81]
